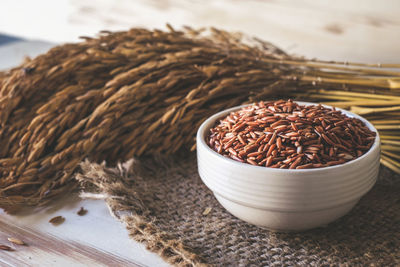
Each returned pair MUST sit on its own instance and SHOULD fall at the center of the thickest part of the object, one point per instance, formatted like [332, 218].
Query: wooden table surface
[365, 31]
[95, 239]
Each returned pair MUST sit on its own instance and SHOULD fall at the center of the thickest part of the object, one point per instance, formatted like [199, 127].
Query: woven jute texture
[162, 202]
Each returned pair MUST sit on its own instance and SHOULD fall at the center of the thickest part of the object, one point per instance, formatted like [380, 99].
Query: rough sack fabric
[162, 201]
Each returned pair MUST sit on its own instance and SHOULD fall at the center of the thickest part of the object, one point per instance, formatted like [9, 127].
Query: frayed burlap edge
[141, 192]
[116, 182]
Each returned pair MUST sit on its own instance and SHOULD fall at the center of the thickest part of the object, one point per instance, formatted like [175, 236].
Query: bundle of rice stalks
[140, 92]
[372, 91]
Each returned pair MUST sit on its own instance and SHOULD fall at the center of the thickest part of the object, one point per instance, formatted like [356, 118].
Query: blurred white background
[335, 30]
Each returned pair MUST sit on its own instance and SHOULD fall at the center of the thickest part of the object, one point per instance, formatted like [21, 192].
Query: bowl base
[281, 221]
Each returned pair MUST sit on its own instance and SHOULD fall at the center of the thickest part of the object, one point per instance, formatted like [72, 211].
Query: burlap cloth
[162, 202]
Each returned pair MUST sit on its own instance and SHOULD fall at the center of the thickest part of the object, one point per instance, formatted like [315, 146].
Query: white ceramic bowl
[283, 199]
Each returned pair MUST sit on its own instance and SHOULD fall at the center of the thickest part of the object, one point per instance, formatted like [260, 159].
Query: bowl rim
[201, 133]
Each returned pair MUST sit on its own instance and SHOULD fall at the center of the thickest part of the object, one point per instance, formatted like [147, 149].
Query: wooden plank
[95, 239]
[46, 249]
